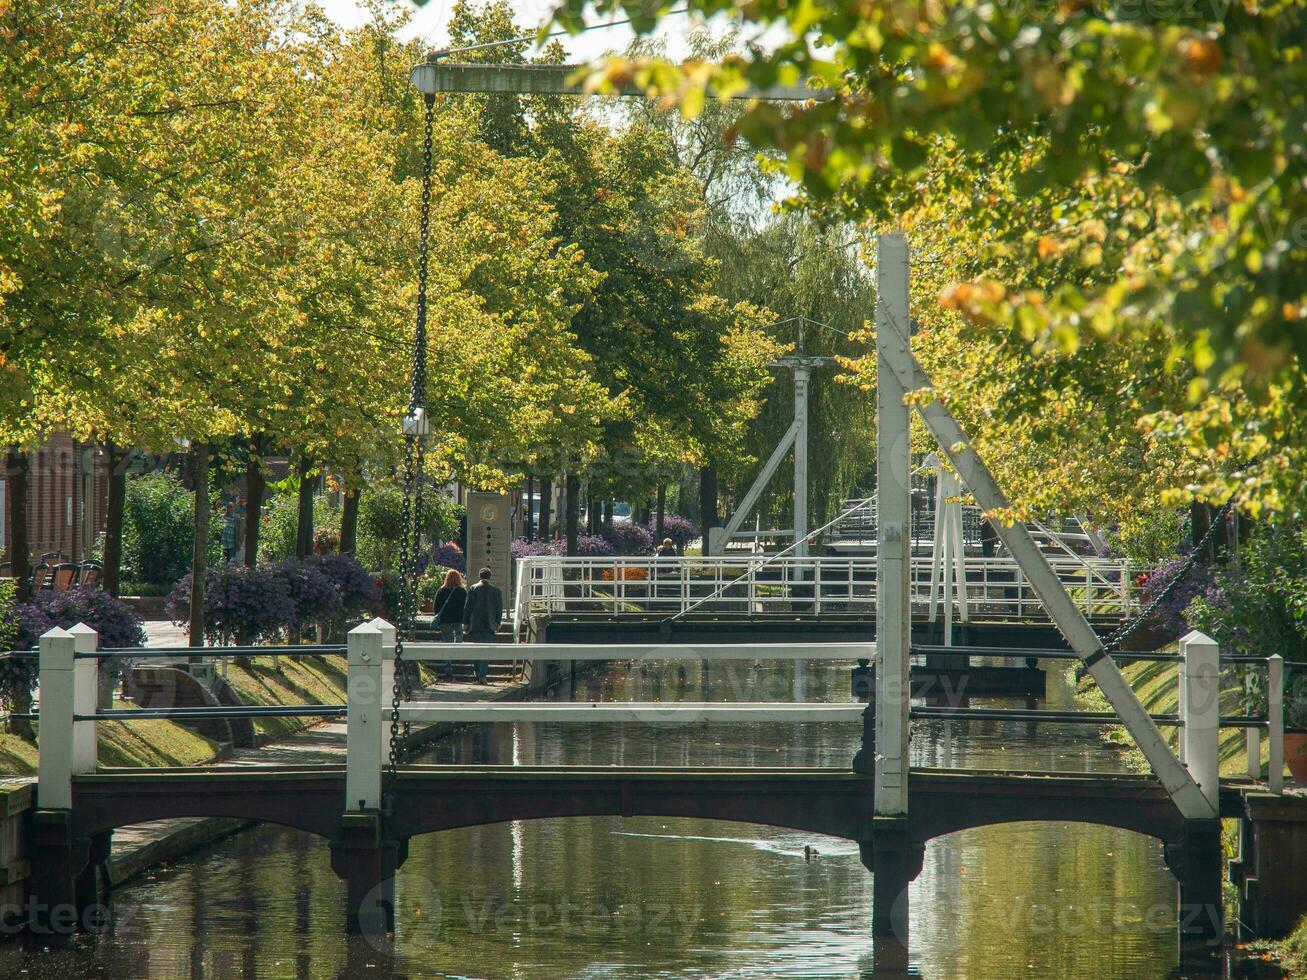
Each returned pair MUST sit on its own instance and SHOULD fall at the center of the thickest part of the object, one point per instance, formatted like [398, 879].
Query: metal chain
[414, 455]
[1119, 636]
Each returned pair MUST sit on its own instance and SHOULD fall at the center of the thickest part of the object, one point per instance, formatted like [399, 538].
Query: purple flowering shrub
[117, 623]
[448, 555]
[522, 548]
[680, 529]
[593, 546]
[359, 592]
[629, 538]
[242, 605]
[1170, 615]
[314, 596]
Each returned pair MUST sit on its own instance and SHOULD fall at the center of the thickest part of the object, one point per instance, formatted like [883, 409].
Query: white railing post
[1202, 713]
[387, 680]
[86, 697]
[1275, 712]
[1252, 738]
[54, 787]
[363, 736]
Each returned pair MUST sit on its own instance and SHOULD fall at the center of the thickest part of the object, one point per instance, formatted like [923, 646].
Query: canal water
[656, 897]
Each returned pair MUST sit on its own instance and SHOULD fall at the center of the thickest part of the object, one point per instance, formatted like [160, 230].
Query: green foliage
[381, 523]
[8, 626]
[159, 529]
[1148, 537]
[280, 526]
[1112, 205]
[1259, 607]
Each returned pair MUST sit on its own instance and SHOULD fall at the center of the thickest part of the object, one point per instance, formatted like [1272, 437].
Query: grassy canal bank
[291, 680]
[1157, 687]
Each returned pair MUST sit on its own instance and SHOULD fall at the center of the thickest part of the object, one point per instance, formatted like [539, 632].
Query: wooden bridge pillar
[367, 862]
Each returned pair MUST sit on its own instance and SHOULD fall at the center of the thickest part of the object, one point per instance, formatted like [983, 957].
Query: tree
[1050, 107]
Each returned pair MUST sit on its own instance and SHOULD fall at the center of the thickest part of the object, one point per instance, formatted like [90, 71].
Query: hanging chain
[1119, 636]
[414, 455]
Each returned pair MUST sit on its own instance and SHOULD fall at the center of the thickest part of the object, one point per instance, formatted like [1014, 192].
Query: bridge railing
[995, 587]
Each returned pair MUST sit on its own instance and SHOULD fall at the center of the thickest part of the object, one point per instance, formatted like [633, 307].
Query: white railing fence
[995, 587]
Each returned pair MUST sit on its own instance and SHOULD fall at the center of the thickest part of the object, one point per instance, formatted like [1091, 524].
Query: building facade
[67, 500]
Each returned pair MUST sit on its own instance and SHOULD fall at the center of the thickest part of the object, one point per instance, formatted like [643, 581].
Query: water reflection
[656, 897]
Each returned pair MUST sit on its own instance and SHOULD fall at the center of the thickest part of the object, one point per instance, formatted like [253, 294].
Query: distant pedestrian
[482, 613]
[449, 603]
[228, 532]
[665, 550]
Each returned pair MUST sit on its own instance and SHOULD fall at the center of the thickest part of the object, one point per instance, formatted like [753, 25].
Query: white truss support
[717, 541]
[1068, 617]
[959, 555]
[802, 380]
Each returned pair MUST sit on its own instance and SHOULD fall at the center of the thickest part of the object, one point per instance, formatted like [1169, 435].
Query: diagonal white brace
[1061, 607]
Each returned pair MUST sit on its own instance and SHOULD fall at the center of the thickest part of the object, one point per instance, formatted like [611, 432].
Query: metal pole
[801, 378]
[893, 527]
[1275, 712]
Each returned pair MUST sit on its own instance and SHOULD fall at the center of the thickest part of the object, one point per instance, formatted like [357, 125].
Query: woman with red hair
[449, 613]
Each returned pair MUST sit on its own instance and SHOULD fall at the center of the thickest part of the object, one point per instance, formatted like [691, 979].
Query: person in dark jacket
[449, 604]
[481, 615]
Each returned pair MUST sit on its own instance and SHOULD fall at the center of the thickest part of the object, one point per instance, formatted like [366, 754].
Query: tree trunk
[528, 525]
[113, 529]
[589, 513]
[660, 514]
[1200, 519]
[19, 551]
[349, 521]
[546, 504]
[304, 522]
[708, 501]
[572, 508]
[199, 544]
[254, 486]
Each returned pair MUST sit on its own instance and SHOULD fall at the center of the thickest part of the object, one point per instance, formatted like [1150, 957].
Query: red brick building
[67, 499]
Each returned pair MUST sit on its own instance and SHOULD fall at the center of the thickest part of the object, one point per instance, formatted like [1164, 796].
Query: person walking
[482, 612]
[449, 604]
[665, 550]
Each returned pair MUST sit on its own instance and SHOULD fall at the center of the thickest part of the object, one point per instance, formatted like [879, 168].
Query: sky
[430, 19]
